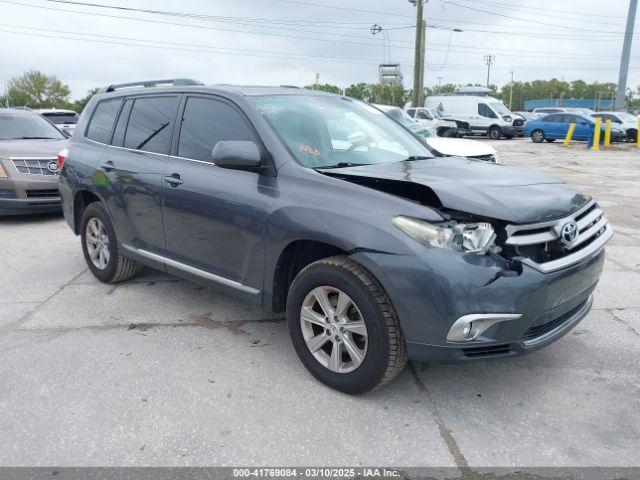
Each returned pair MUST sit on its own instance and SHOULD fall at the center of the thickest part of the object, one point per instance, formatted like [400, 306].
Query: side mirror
[236, 154]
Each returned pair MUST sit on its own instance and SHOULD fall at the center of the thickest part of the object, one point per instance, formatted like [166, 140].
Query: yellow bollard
[596, 134]
[567, 139]
[607, 133]
[638, 133]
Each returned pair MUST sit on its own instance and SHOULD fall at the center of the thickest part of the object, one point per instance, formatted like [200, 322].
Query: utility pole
[317, 79]
[422, 57]
[489, 60]
[418, 61]
[511, 91]
[440, 81]
[626, 53]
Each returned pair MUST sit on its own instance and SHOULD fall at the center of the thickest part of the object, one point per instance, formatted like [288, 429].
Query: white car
[448, 147]
[65, 120]
[432, 120]
[623, 120]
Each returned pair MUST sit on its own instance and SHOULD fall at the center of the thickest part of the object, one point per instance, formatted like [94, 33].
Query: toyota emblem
[569, 233]
[53, 166]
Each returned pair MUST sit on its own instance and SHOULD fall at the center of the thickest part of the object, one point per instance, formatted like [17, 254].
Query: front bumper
[431, 292]
[30, 196]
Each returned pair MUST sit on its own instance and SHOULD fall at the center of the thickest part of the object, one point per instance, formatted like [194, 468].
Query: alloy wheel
[97, 242]
[333, 329]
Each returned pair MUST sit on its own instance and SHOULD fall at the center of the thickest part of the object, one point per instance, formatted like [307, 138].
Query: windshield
[327, 131]
[62, 118]
[21, 126]
[627, 117]
[499, 108]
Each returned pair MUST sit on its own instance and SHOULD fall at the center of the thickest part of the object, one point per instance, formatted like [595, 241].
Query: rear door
[584, 128]
[134, 165]
[553, 125]
[214, 217]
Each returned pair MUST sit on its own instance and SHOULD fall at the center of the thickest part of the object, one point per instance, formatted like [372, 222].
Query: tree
[34, 89]
[327, 87]
[388, 95]
[361, 91]
[79, 105]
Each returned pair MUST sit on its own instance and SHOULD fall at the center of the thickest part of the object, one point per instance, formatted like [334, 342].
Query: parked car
[528, 115]
[65, 120]
[433, 120]
[623, 120]
[548, 110]
[29, 146]
[322, 206]
[443, 147]
[555, 126]
[485, 115]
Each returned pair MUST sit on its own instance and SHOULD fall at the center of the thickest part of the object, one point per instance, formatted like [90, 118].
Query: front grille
[462, 125]
[51, 193]
[492, 351]
[518, 122]
[544, 247]
[35, 166]
[5, 193]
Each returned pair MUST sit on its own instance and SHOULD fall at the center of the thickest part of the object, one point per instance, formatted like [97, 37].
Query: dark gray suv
[323, 207]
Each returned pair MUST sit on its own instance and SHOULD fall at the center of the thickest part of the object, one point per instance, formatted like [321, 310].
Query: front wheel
[343, 326]
[495, 133]
[537, 136]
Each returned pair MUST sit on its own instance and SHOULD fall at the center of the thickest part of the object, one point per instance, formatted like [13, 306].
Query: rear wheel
[495, 133]
[537, 136]
[100, 247]
[632, 135]
[343, 327]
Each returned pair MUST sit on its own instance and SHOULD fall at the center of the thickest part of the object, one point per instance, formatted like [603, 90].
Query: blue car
[556, 125]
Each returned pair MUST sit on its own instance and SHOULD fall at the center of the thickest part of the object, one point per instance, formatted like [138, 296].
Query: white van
[485, 115]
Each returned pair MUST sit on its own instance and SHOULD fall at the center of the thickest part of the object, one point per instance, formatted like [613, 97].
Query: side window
[101, 122]
[424, 115]
[485, 111]
[207, 121]
[555, 118]
[121, 124]
[411, 112]
[150, 122]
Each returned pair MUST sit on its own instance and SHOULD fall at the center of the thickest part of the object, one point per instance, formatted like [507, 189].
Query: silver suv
[29, 146]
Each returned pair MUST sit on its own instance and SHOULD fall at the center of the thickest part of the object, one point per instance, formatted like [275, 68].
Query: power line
[336, 7]
[566, 27]
[537, 9]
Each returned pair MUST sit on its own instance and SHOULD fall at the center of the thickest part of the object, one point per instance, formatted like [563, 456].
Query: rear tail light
[62, 156]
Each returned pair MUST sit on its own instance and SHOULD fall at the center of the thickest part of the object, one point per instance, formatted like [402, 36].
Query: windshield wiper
[416, 157]
[35, 138]
[343, 165]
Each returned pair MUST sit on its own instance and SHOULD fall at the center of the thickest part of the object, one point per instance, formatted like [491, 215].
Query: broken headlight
[460, 237]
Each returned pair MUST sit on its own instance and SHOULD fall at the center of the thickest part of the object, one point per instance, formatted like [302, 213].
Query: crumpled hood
[460, 147]
[31, 148]
[504, 192]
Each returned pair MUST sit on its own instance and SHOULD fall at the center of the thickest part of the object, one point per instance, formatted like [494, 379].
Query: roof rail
[174, 82]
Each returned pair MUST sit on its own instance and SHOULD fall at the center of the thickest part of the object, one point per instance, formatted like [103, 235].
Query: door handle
[173, 180]
[107, 166]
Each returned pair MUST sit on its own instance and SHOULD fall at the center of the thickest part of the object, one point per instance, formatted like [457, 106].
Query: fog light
[469, 327]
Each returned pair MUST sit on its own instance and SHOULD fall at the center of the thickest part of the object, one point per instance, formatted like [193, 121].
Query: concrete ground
[159, 371]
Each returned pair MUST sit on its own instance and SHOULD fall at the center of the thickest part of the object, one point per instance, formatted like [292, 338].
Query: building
[390, 74]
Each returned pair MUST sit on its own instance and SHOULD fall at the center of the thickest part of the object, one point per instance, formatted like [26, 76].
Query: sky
[289, 42]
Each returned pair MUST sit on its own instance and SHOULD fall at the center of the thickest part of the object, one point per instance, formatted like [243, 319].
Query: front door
[214, 217]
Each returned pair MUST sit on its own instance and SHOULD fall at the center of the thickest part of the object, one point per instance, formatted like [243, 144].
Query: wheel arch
[81, 200]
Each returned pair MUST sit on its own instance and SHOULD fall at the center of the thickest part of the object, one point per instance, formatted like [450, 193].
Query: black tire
[632, 135]
[495, 133]
[386, 354]
[450, 133]
[118, 268]
[550, 140]
[537, 136]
